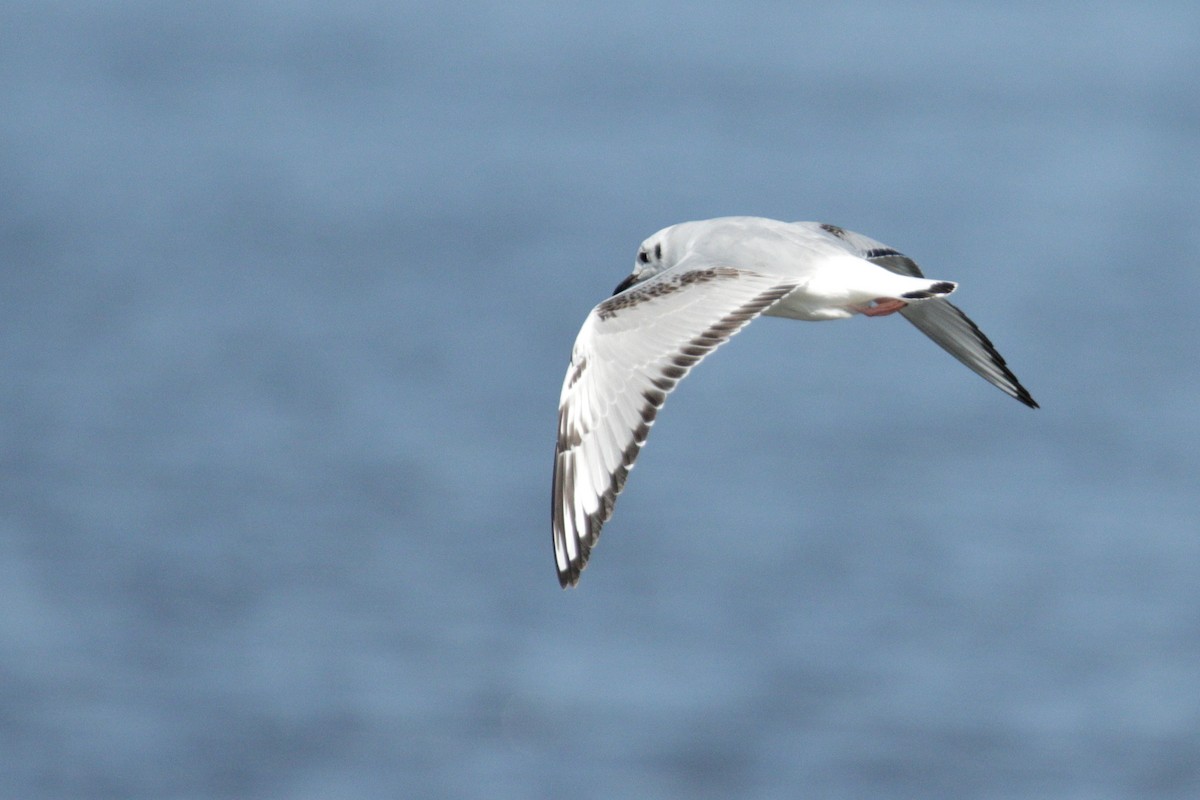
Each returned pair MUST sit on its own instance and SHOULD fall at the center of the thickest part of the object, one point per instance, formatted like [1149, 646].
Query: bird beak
[625, 284]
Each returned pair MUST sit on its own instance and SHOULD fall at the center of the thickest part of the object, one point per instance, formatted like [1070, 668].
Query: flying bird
[693, 286]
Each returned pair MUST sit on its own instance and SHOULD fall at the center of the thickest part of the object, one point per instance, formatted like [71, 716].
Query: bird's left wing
[631, 352]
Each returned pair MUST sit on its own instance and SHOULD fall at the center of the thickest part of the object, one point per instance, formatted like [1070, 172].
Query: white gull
[693, 286]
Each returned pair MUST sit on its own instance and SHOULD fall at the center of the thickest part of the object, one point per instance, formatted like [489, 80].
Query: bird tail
[931, 289]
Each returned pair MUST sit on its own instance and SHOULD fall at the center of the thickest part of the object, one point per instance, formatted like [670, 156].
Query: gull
[693, 286]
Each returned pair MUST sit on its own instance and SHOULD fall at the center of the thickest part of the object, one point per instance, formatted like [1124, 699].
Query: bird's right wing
[631, 352]
[959, 336]
[939, 319]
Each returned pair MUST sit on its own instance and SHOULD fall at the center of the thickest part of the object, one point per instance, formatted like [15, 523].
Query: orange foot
[881, 307]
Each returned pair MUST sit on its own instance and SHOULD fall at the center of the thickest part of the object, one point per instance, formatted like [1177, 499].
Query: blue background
[287, 292]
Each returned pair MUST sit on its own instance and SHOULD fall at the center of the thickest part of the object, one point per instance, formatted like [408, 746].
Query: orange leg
[881, 307]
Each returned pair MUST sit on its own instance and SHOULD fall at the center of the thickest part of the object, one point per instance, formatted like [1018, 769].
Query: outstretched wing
[631, 352]
[940, 319]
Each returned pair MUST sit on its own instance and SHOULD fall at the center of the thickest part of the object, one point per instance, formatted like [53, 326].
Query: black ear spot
[658, 251]
[643, 257]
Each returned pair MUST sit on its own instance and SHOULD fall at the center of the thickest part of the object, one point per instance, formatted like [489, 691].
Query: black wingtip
[568, 577]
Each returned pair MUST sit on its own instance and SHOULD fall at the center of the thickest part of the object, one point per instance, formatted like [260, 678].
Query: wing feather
[939, 319]
[632, 351]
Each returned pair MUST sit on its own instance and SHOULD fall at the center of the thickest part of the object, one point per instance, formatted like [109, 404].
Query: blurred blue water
[287, 293]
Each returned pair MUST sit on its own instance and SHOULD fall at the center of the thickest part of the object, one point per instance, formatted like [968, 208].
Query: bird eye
[643, 257]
